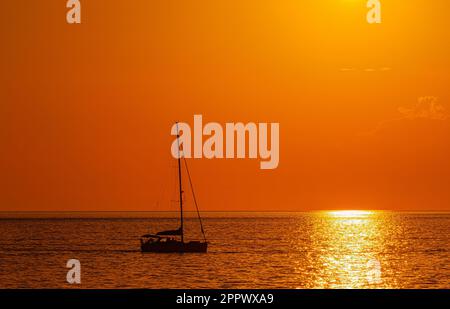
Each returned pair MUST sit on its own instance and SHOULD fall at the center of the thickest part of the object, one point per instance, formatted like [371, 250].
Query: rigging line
[195, 200]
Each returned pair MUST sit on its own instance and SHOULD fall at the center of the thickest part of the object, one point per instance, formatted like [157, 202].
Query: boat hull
[175, 247]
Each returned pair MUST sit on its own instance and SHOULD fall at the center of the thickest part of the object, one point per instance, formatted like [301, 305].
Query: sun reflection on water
[350, 241]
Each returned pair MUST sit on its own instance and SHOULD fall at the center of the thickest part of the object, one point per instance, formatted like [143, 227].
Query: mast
[180, 186]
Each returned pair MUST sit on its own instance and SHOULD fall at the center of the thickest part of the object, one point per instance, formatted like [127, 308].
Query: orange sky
[86, 110]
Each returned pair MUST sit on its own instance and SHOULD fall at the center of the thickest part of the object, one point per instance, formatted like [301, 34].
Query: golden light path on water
[348, 242]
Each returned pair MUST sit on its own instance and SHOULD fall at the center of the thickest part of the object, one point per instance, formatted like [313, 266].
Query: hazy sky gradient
[86, 110]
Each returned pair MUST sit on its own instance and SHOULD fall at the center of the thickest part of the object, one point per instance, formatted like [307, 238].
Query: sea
[270, 250]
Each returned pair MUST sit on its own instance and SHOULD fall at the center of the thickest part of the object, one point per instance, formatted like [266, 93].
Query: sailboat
[172, 241]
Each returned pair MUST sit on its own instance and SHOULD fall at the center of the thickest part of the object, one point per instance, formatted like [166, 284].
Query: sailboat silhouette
[172, 241]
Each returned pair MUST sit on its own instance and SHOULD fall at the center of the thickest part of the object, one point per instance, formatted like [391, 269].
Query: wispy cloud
[367, 70]
[427, 107]
[385, 69]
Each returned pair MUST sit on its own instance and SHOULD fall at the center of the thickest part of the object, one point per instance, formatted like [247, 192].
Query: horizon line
[204, 211]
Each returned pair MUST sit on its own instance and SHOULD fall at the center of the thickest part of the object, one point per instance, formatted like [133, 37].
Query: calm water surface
[247, 250]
